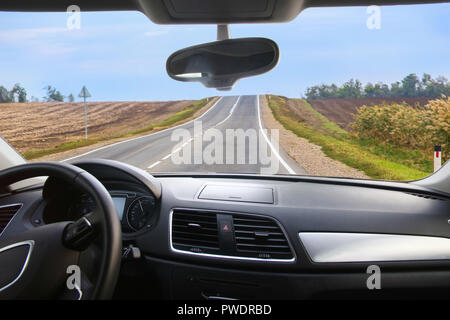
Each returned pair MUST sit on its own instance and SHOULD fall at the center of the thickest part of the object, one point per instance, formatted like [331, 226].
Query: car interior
[216, 236]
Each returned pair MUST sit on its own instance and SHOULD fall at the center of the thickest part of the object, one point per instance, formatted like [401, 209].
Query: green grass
[378, 162]
[60, 148]
[327, 125]
[174, 119]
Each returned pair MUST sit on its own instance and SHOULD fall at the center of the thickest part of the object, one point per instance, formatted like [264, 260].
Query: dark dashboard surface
[197, 228]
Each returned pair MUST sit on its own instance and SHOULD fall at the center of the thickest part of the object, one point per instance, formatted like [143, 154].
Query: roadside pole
[437, 156]
[85, 120]
[84, 93]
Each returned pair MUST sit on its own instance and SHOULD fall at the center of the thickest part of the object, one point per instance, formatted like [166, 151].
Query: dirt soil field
[31, 126]
[341, 110]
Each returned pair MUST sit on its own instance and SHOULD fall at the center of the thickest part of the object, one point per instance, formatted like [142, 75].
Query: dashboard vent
[260, 237]
[7, 213]
[195, 231]
[426, 196]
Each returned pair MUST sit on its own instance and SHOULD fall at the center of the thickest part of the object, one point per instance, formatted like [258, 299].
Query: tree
[5, 95]
[53, 94]
[410, 86]
[369, 90]
[71, 98]
[312, 93]
[20, 92]
[396, 90]
[351, 89]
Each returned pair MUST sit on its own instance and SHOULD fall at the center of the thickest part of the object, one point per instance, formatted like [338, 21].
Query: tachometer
[140, 213]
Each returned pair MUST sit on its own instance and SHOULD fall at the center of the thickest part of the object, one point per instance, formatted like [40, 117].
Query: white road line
[154, 164]
[176, 150]
[120, 142]
[289, 169]
[231, 112]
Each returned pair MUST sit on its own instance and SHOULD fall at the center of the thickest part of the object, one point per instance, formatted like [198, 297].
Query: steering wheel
[37, 263]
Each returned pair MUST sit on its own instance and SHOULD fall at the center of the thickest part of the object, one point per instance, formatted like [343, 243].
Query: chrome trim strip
[29, 243]
[10, 205]
[217, 256]
[371, 247]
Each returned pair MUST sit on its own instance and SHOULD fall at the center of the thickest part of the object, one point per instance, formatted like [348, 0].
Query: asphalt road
[236, 144]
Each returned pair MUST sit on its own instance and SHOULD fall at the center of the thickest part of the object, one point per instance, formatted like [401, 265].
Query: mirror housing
[220, 64]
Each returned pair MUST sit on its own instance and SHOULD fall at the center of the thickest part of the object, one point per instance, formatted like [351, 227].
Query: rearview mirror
[221, 64]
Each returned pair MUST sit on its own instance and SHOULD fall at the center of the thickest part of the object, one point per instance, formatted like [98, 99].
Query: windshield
[357, 93]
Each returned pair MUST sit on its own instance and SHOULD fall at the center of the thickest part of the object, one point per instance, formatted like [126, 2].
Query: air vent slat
[427, 196]
[253, 226]
[197, 249]
[6, 214]
[196, 218]
[260, 237]
[205, 231]
[202, 223]
[255, 240]
[195, 231]
[247, 232]
[261, 246]
[194, 241]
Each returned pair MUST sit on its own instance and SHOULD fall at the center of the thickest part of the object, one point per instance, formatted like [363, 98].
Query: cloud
[18, 35]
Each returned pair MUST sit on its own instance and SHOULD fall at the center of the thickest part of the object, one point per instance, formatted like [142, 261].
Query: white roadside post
[437, 158]
[84, 93]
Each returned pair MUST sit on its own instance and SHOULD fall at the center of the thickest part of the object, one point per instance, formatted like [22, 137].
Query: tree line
[409, 87]
[19, 94]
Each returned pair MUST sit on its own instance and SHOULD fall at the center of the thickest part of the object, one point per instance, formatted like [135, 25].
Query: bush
[414, 128]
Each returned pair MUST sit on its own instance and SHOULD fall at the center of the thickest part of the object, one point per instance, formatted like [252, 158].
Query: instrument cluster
[136, 211]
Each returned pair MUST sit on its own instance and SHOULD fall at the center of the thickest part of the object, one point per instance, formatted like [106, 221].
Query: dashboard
[247, 237]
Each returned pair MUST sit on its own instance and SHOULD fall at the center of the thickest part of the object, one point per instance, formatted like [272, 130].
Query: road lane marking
[154, 164]
[289, 169]
[231, 112]
[167, 157]
[154, 133]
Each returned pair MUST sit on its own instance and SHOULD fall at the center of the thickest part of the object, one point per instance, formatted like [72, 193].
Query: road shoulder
[308, 155]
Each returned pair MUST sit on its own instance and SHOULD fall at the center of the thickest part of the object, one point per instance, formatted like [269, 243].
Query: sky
[121, 56]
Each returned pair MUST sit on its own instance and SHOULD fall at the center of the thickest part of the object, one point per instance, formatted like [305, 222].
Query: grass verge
[174, 119]
[378, 162]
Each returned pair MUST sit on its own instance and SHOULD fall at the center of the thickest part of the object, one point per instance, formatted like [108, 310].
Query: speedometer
[140, 213]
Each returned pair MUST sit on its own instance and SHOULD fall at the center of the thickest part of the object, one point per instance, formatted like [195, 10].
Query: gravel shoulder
[308, 155]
